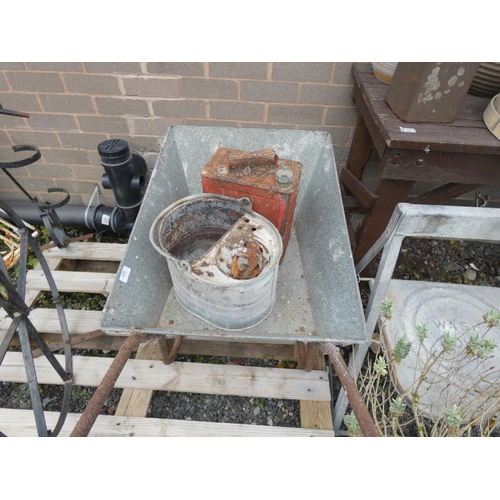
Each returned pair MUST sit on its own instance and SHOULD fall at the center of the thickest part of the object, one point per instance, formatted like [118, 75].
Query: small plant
[380, 366]
[422, 331]
[482, 348]
[397, 407]
[352, 425]
[260, 403]
[453, 416]
[386, 309]
[491, 318]
[448, 341]
[455, 389]
[402, 349]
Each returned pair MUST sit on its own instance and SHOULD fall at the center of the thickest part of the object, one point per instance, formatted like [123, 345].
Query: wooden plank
[238, 349]
[317, 414]
[47, 320]
[88, 251]
[47, 323]
[72, 281]
[439, 167]
[79, 322]
[30, 296]
[471, 110]
[361, 192]
[20, 423]
[469, 116]
[247, 381]
[135, 402]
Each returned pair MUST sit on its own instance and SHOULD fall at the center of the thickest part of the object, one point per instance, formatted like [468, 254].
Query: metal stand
[14, 301]
[17, 309]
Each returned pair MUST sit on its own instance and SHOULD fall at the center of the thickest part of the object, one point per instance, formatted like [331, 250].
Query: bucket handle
[184, 265]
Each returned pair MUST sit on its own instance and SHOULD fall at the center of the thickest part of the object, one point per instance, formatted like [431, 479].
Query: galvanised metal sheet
[317, 287]
[443, 307]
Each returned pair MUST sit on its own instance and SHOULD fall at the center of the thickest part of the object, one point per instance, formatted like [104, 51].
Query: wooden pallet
[91, 267]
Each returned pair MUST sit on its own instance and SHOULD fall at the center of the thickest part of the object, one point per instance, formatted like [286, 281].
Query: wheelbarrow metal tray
[317, 294]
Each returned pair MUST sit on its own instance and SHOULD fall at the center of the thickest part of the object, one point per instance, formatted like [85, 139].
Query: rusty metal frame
[306, 358]
[91, 412]
[96, 403]
[169, 349]
[358, 406]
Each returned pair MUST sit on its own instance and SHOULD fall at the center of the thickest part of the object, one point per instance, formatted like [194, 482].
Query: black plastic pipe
[124, 175]
[99, 218]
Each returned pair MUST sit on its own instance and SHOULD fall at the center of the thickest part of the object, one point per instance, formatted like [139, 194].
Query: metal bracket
[51, 220]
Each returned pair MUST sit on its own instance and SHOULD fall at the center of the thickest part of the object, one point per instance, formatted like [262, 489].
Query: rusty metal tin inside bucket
[222, 257]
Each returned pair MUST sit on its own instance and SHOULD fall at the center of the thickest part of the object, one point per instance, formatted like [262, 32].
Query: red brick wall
[75, 106]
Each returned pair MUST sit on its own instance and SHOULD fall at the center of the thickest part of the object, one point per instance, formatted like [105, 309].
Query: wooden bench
[460, 157]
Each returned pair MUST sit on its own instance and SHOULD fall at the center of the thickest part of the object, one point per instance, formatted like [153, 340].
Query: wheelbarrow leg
[170, 349]
[306, 355]
[358, 406]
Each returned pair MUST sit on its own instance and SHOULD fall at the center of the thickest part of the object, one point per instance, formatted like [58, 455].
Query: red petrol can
[271, 183]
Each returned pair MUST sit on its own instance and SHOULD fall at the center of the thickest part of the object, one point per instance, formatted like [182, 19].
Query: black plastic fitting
[125, 176]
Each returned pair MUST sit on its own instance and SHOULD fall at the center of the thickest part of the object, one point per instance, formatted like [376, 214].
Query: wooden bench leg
[389, 194]
[360, 149]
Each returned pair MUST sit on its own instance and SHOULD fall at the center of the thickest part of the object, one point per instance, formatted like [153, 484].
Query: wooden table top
[467, 134]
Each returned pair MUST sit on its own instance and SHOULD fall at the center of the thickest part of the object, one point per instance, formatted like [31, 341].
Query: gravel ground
[446, 261]
[172, 405]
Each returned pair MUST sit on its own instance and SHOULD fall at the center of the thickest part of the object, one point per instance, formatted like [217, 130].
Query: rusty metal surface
[430, 92]
[244, 159]
[290, 319]
[358, 406]
[256, 175]
[240, 253]
[91, 412]
[301, 351]
[169, 349]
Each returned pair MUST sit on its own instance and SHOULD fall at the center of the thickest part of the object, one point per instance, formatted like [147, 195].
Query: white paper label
[408, 130]
[125, 274]
[105, 219]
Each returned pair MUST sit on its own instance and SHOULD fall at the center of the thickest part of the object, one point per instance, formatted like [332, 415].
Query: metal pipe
[358, 406]
[89, 416]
